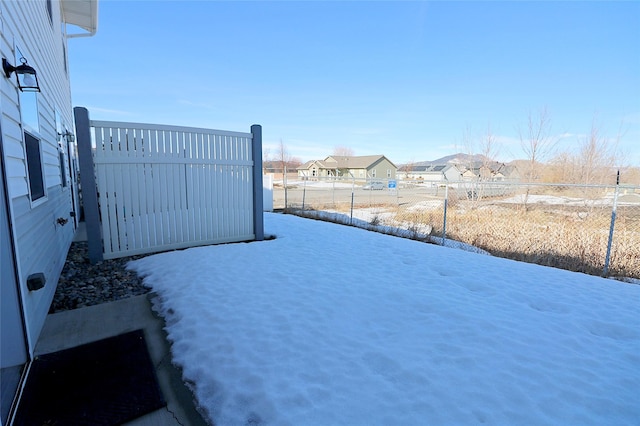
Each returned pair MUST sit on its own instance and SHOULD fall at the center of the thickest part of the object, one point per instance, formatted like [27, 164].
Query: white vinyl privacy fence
[165, 187]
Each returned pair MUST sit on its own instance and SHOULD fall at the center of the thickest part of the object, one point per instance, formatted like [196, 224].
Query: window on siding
[373, 173]
[63, 170]
[29, 110]
[388, 173]
[34, 166]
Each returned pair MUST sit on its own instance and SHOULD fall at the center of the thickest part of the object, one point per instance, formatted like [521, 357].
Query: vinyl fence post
[88, 183]
[258, 215]
[607, 259]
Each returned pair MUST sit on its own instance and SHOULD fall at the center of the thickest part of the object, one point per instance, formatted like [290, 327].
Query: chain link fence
[593, 229]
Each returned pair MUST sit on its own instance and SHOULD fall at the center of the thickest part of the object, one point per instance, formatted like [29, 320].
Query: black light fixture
[25, 75]
[70, 137]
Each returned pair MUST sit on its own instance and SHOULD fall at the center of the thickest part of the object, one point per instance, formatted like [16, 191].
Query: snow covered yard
[330, 325]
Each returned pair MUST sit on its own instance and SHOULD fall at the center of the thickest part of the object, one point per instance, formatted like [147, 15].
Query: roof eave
[81, 13]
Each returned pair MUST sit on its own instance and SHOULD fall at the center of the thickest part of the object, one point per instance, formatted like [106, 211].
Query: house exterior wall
[379, 170]
[41, 244]
[312, 170]
[357, 173]
[413, 174]
[433, 176]
[449, 174]
[452, 174]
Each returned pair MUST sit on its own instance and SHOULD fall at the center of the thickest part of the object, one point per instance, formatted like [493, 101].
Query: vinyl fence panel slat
[162, 190]
[126, 198]
[165, 187]
[140, 191]
[172, 189]
[159, 188]
[101, 178]
[197, 207]
[149, 179]
[118, 191]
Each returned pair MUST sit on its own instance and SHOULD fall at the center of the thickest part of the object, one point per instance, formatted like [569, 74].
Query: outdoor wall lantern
[25, 74]
[70, 137]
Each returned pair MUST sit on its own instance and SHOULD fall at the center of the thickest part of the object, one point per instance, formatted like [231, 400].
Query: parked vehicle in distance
[374, 185]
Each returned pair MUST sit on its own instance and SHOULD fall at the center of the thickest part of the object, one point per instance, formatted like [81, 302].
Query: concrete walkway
[68, 329]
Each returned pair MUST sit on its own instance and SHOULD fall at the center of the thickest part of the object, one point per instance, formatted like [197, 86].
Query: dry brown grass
[569, 239]
[572, 236]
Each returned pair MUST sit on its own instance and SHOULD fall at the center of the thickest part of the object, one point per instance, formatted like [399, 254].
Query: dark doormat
[107, 382]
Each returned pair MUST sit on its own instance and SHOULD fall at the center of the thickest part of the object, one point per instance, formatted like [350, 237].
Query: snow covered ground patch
[334, 325]
[365, 219]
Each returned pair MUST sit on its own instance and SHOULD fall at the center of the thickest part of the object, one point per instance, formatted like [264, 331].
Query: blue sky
[403, 79]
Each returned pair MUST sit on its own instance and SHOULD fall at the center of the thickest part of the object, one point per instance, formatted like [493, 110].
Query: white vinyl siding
[41, 244]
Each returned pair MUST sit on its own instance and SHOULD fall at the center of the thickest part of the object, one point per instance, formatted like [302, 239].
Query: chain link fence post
[444, 221]
[284, 183]
[607, 259]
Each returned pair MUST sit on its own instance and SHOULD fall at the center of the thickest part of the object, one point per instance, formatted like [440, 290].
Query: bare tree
[342, 151]
[537, 143]
[266, 160]
[481, 154]
[283, 160]
[408, 167]
[468, 148]
[594, 161]
[489, 152]
[596, 158]
[282, 157]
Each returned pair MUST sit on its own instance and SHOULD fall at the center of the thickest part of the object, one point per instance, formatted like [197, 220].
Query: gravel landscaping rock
[83, 284]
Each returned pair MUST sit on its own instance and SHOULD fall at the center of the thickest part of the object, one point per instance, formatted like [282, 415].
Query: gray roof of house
[432, 168]
[343, 162]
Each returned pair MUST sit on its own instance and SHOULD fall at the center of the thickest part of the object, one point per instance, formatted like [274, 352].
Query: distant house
[456, 172]
[493, 171]
[436, 173]
[38, 198]
[358, 167]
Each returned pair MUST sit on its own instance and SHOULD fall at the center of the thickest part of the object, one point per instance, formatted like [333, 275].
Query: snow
[363, 218]
[333, 325]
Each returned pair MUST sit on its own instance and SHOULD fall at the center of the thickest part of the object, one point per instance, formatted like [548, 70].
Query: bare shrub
[548, 238]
